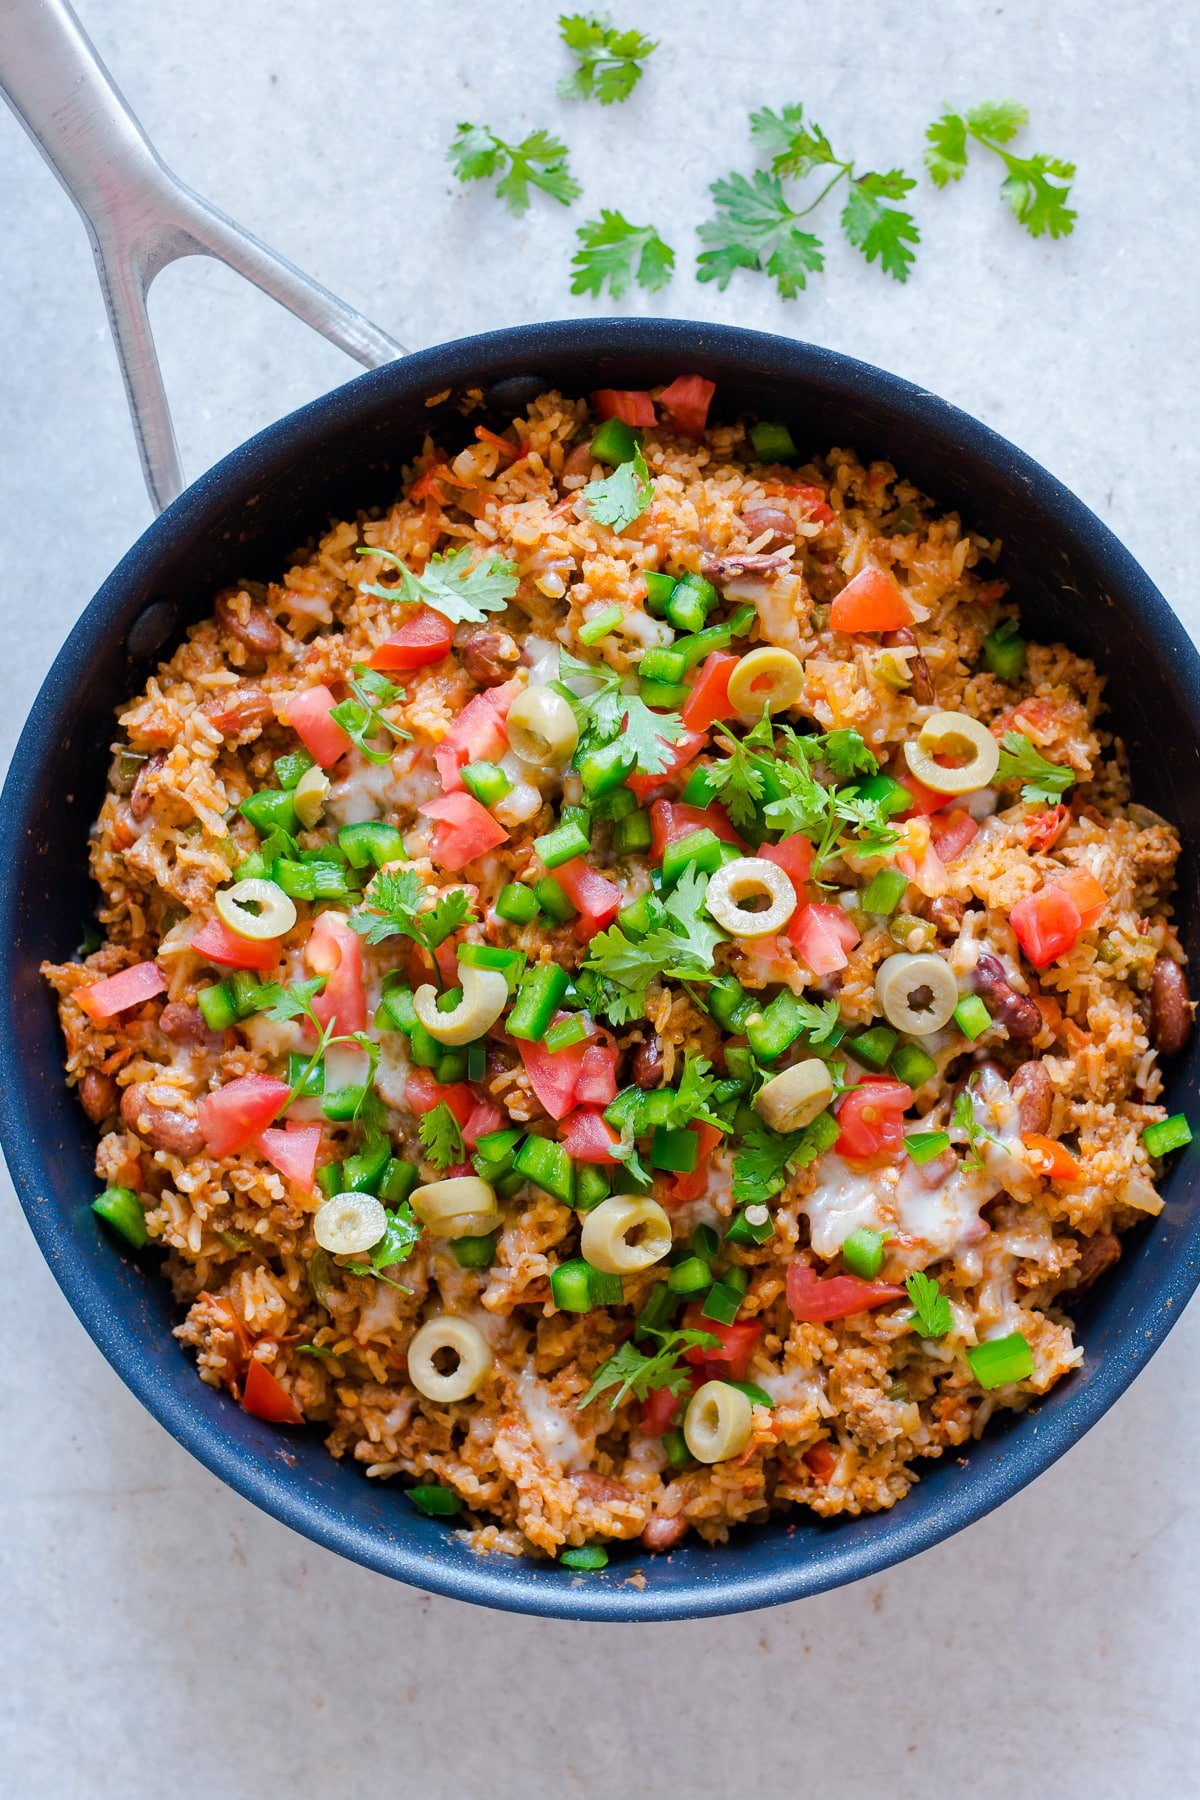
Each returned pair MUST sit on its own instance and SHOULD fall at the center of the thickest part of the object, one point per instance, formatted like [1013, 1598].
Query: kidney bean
[185, 1025]
[142, 799]
[921, 686]
[662, 1533]
[489, 657]
[579, 462]
[98, 1095]
[647, 1068]
[1033, 1091]
[1096, 1256]
[947, 914]
[605, 1490]
[238, 709]
[1017, 1013]
[258, 631]
[1170, 1009]
[738, 562]
[775, 519]
[162, 1127]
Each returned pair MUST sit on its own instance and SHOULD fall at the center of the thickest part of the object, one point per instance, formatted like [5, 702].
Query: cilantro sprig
[634, 1372]
[622, 497]
[614, 251]
[931, 1316]
[362, 718]
[678, 946]
[1036, 187]
[755, 228]
[441, 1135]
[1020, 760]
[395, 907]
[764, 1159]
[963, 1118]
[606, 712]
[461, 590]
[539, 160]
[609, 61]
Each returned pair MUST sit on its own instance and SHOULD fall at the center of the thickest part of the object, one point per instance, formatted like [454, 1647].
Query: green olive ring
[542, 728]
[484, 998]
[953, 734]
[793, 1098]
[916, 994]
[275, 914]
[767, 677]
[607, 1239]
[749, 877]
[717, 1423]
[460, 1339]
[460, 1206]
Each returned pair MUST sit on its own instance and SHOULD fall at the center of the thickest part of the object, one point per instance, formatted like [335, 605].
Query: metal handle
[140, 217]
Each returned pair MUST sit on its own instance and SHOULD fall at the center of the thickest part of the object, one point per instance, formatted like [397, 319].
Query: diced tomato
[335, 951]
[424, 638]
[422, 1093]
[266, 1397]
[597, 1084]
[632, 405]
[709, 699]
[1047, 924]
[678, 1190]
[293, 1152]
[738, 1344]
[953, 833]
[587, 1137]
[465, 830]
[553, 1074]
[237, 1113]
[1043, 829]
[658, 1412]
[671, 820]
[680, 754]
[794, 855]
[872, 601]
[816, 1302]
[217, 944]
[308, 715]
[919, 860]
[1051, 1160]
[485, 1117]
[820, 1461]
[924, 800]
[872, 1118]
[822, 936]
[477, 735]
[1087, 894]
[115, 993]
[814, 502]
[687, 400]
[596, 899]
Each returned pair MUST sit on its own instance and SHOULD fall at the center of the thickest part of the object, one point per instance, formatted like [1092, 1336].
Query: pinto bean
[663, 1533]
[1096, 1255]
[1034, 1092]
[775, 519]
[142, 799]
[98, 1095]
[762, 564]
[238, 710]
[579, 462]
[257, 632]
[605, 1490]
[162, 1127]
[490, 657]
[918, 668]
[1018, 1014]
[647, 1069]
[185, 1025]
[947, 914]
[1170, 1009]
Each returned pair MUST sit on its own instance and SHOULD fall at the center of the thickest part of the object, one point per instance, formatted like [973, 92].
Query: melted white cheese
[553, 1432]
[845, 1199]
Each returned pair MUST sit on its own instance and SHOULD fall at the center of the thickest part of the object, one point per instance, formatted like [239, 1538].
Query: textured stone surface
[160, 1635]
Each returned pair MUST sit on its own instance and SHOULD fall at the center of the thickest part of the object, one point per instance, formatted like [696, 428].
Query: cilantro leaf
[462, 591]
[683, 908]
[1036, 187]
[626, 967]
[845, 754]
[394, 907]
[878, 230]
[621, 497]
[613, 250]
[691, 1098]
[755, 228]
[476, 154]
[632, 1371]
[931, 1316]
[794, 147]
[399, 1239]
[610, 61]
[441, 1135]
[291, 1002]
[1044, 781]
[964, 1118]
[738, 777]
[608, 712]
[361, 718]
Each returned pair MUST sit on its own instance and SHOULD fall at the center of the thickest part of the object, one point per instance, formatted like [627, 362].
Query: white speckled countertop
[159, 1635]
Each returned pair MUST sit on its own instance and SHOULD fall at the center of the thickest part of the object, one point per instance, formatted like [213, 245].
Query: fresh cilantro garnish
[763, 1159]
[613, 250]
[738, 777]
[608, 712]
[284, 1003]
[476, 154]
[798, 149]
[462, 591]
[361, 718]
[441, 1135]
[835, 818]
[1037, 187]
[845, 754]
[610, 61]
[399, 1239]
[683, 909]
[394, 907]
[678, 947]
[963, 1118]
[931, 1316]
[755, 228]
[1045, 782]
[621, 497]
[691, 1099]
[632, 1371]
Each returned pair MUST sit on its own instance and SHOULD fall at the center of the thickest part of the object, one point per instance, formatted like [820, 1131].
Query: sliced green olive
[461, 1206]
[348, 1224]
[256, 909]
[484, 997]
[717, 1423]
[451, 1340]
[747, 878]
[541, 728]
[916, 994]
[795, 1097]
[309, 796]
[767, 677]
[625, 1233]
[953, 734]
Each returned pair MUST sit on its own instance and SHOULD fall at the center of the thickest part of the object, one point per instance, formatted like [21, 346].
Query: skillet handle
[140, 217]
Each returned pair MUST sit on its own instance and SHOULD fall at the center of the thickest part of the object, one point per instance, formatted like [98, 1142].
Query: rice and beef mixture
[630, 996]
